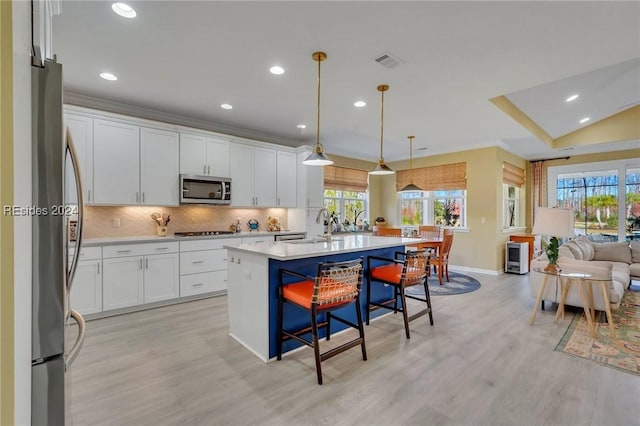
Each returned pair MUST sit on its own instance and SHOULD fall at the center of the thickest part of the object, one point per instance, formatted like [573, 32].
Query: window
[632, 202]
[600, 194]
[513, 178]
[446, 208]
[347, 208]
[511, 206]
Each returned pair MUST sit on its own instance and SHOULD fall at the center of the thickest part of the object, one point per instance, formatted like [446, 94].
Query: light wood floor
[481, 364]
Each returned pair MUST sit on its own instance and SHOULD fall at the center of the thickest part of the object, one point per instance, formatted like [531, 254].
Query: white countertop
[281, 250]
[88, 242]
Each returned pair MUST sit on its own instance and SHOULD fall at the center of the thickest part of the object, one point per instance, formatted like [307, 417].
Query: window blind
[345, 179]
[512, 175]
[444, 177]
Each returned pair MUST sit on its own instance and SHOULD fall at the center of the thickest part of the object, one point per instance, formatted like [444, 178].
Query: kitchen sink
[312, 241]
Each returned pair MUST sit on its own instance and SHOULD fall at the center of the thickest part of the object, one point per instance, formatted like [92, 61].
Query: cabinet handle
[89, 196]
[123, 251]
[140, 263]
[162, 248]
[225, 259]
[146, 263]
[238, 261]
[278, 201]
[204, 169]
[208, 170]
[98, 268]
[232, 260]
[198, 285]
[143, 197]
[195, 262]
[137, 197]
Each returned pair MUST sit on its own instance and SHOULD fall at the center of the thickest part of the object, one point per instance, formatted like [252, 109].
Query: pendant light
[318, 158]
[382, 168]
[411, 186]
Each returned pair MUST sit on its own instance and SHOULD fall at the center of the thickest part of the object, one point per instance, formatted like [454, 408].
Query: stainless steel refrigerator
[52, 272]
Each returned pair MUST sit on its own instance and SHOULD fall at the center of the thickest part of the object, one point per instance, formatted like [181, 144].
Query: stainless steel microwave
[204, 190]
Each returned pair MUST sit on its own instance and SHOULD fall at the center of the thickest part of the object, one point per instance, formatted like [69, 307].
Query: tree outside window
[347, 207]
[445, 208]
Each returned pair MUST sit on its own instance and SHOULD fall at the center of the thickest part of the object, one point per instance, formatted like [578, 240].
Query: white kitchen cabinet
[204, 155]
[116, 165]
[159, 180]
[253, 176]
[134, 165]
[81, 130]
[286, 179]
[203, 266]
[122, 282]
[135, 274]
[310, 198]
[161, 277]
[86, 288]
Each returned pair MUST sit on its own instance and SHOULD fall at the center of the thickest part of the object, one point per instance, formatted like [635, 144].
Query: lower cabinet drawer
[203, 283]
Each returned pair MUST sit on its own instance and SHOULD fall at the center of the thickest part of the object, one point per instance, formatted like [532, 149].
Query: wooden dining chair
[440, 260]
[336, 285]
[429, 231]
[405, 270]
[389, 232]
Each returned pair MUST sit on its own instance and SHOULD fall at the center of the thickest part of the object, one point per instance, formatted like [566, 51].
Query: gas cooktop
[201, 233]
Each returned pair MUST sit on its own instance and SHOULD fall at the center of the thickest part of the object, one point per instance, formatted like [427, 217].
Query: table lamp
[554, 223]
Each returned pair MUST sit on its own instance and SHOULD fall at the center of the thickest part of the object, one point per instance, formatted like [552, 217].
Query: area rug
[623, 352]
[459, 284]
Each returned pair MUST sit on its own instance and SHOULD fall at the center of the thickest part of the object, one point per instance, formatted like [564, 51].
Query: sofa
[618, 262]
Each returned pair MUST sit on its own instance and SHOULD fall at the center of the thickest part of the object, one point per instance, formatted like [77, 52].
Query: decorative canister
[162, 231]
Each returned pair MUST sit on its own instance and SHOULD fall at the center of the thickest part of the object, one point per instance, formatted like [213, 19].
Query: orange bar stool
[407, 269]
[336, 285]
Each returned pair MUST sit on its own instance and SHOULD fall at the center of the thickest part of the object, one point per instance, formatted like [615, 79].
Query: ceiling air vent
[387, 60]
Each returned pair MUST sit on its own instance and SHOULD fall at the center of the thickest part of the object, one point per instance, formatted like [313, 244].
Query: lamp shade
[553, 222]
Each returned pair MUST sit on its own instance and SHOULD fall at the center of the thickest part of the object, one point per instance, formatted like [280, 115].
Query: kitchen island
[253, 284]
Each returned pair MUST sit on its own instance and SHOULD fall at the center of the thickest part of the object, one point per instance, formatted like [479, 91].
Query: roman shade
[345, 179]
[512, 175]
[444, 177]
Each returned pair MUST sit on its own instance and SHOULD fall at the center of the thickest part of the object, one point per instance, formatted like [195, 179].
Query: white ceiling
[187, 58]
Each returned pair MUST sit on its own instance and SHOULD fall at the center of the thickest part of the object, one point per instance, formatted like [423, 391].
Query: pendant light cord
[381, 127]
[411, 158]
[318, 118]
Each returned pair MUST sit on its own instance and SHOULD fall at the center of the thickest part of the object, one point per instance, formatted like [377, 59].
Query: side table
[585, 283]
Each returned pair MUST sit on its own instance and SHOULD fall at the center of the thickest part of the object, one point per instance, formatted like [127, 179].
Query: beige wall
[6, 222]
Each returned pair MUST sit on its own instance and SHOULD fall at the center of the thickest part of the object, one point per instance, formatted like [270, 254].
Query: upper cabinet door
[81, 129]
[159, 173]
[241, 172]
[264, 180]
[116, 166]
[286, 179]
[192, 154]
[217, 157]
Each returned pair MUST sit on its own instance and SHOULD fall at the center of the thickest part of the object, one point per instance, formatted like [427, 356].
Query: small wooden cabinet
[534, 244]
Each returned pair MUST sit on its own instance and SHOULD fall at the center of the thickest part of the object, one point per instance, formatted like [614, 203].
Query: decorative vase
[162, 231]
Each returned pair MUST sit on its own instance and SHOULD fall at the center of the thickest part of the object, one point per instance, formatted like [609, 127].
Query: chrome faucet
[324, 214]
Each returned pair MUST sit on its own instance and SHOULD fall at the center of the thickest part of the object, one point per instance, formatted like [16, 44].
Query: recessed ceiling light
[360, 104]
[226, 106]
[108, 76]
[276, 70]
[572, 98]
[584, 120]
[124, 10]
[301, 126]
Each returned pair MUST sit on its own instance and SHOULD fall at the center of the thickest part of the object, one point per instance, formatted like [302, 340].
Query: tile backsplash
[136, 220]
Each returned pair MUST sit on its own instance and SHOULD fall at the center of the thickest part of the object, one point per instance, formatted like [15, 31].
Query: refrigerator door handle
[73, 352]
[71, 271]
